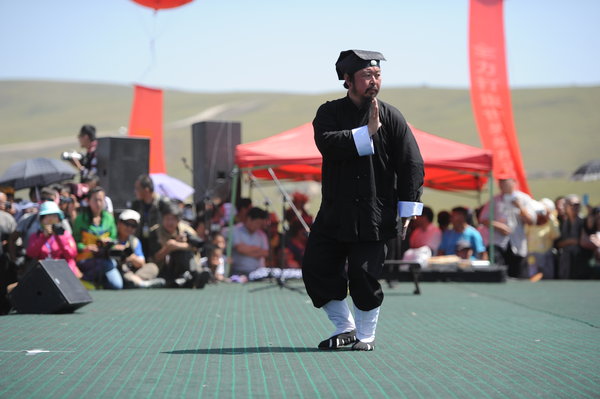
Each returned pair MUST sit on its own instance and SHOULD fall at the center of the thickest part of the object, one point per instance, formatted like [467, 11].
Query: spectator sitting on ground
[131, 259]
[540, 242]
[172, 247]
[26, 226]
[242, 206]
[425, 233]
[8, 204]
[299, 200]
[250, 245]
[296, 245]
[52, 241]
[69, 204]
[218, 220]
[8, 273]
[461, 230]
[149, 205]
[443, 220]
[218, 240]
[215, 262]
[90, 182]
[199, 227]
[7, 223]
[464, 250]
[95, 231]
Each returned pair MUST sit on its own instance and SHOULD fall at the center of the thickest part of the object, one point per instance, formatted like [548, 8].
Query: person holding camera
[87, 163]
[129, 255]
[52, 241]
[174, 247]
[95, 232]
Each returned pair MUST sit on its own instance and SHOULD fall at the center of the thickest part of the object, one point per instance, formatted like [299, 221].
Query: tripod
[281, 261]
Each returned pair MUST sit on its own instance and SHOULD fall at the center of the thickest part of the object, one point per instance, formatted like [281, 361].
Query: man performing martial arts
[372, 172]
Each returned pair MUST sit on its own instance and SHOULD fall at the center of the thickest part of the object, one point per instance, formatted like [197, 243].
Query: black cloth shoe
[338, 340]
[363, 346]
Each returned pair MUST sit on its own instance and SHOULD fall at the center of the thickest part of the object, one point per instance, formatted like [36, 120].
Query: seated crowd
[153, 243]
[534, 239]
[157, 243]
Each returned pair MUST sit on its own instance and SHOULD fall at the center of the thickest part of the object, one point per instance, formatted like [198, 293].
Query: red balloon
[162, 4]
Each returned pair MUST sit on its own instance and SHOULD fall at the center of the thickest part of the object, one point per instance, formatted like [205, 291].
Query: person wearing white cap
[131, 259]
[372, 173]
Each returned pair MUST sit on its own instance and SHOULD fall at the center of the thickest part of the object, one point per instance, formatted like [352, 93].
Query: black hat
[351, 61]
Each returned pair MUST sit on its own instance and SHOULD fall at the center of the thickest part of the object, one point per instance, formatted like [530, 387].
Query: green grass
[558, 128]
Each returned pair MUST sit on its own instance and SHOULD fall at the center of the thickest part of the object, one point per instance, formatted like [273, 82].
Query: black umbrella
[36, 172]
[588, 171]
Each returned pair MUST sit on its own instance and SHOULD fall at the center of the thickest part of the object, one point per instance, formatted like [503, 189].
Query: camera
[66, 200]
[118, 253]
[58, 229]
[194, 241]
[68, 156]
[104, 248]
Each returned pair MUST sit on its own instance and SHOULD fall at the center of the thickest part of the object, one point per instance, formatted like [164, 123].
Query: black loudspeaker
[120, 161]
[213, 146]
[49, 287]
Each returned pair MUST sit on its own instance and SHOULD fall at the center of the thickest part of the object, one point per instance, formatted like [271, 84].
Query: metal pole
[236, 175]
[491, 218]
[287, 200]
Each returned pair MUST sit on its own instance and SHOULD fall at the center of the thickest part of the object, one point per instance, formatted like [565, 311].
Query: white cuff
[407, 209]
[363, 141]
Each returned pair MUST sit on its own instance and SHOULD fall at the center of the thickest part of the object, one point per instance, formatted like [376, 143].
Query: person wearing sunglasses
[129, 254]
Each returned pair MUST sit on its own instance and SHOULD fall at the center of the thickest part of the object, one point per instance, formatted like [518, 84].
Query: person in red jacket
[52, 241]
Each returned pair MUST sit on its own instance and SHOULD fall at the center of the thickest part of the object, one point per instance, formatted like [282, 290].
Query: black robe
[360, 193]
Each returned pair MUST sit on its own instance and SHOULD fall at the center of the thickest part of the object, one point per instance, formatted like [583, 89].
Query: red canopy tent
[292, 154]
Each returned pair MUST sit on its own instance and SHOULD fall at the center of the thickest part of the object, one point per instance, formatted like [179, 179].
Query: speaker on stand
[213, 146]
[120, 161]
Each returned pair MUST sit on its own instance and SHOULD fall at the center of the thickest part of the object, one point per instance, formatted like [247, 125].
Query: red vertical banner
[490, 93]
[147, 121]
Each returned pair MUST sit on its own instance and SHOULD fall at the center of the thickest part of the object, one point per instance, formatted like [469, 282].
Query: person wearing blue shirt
[462, 231]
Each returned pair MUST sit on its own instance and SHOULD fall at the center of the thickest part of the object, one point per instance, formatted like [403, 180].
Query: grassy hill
[559, 128]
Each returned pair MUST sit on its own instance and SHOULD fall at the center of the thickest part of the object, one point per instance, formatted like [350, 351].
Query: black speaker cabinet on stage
[213, 146]
[49, 287]
[120, 161]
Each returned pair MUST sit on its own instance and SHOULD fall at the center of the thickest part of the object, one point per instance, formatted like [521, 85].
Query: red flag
[490, 94]
[147, 121]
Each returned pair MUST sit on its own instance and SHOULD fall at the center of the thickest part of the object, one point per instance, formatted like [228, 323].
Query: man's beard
[367, 96]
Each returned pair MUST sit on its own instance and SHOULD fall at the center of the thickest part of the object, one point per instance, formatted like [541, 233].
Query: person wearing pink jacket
[52, 241]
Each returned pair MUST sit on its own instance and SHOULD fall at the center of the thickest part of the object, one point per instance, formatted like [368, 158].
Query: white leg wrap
[340, 315]
[366, 323]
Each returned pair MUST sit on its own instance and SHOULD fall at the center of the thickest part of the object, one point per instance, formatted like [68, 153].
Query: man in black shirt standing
[372, 172]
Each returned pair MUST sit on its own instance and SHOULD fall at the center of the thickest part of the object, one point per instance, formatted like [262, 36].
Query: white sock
[340, 315]
[366, 323]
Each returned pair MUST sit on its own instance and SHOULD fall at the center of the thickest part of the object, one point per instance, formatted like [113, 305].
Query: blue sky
[288, 46]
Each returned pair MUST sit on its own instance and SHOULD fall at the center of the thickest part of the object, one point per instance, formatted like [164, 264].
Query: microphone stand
[280, 281]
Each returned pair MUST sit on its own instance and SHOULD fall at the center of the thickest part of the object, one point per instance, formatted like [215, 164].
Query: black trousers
[517, 265]
[326, 277]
